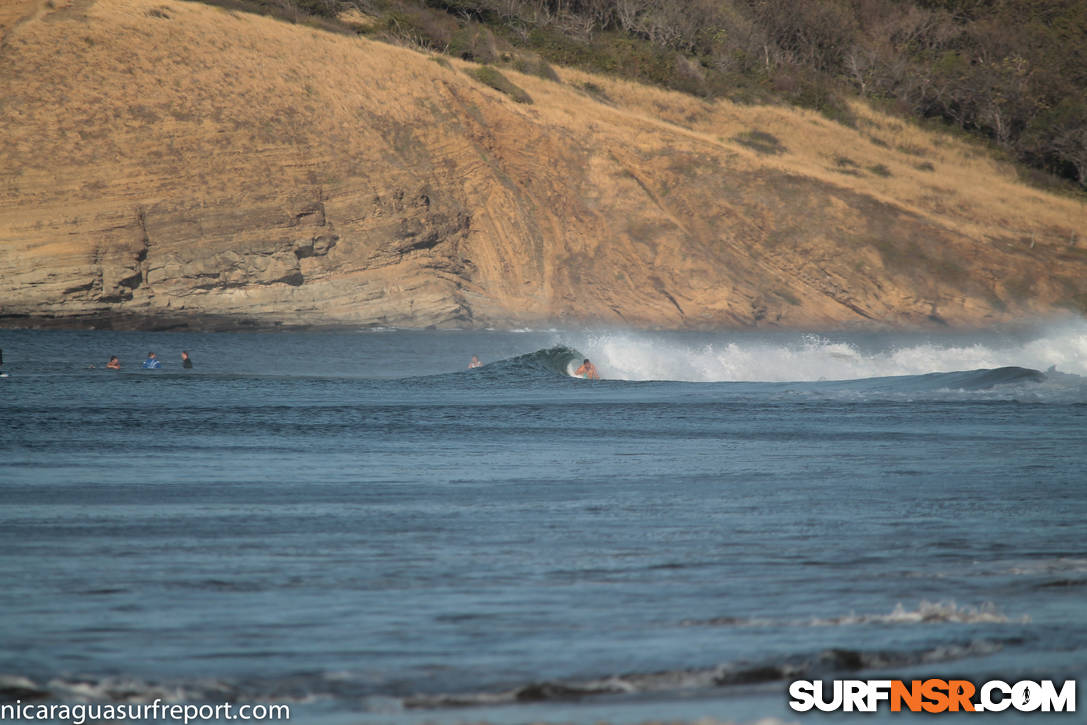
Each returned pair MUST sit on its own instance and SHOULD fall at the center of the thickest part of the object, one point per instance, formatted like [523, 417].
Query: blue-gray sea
[358, 525]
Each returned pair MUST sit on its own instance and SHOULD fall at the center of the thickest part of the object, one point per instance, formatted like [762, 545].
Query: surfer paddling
[587, 371]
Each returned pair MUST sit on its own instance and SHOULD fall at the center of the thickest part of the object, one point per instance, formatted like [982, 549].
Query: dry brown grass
[964, 188]
[202, 113]
[289, 85]
[14, 12]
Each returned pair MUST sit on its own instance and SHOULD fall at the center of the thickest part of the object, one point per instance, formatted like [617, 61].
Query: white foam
[16, 682]
[117, 689]
[797, 357]
[925, 613]
[1060, 565]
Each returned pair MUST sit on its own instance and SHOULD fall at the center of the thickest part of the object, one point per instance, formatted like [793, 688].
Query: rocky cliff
[167, 163]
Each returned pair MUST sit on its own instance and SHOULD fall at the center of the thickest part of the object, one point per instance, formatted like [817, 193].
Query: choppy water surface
[357, 524]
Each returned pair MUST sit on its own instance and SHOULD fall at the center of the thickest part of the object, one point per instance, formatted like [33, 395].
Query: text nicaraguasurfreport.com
[79, 714]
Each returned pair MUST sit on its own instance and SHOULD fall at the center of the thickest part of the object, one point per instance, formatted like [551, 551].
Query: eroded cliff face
[167, 163]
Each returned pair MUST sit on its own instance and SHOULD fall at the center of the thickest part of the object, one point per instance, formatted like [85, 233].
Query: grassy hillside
[167, 163]
[1012, 72]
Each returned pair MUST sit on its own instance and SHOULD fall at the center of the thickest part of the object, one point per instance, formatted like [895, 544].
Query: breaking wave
[558, 360]
[549, 364]
[1060, 349]
[1024, 383]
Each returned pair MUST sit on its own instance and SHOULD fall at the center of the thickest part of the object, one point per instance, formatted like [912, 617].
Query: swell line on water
[925, 613]
[823, 663]
[335, 686]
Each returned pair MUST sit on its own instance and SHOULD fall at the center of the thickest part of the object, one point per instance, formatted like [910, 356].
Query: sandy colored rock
[168, 163]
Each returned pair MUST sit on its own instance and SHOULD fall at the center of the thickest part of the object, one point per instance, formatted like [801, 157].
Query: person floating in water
[152, 362]
[186, 361]
[587, 371]
[475, 362]
[114, 363]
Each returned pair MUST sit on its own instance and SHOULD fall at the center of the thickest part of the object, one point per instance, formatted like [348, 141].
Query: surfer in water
[114, 363]
[587, 371]
[186, 361]
[475, 362]
[152, 362]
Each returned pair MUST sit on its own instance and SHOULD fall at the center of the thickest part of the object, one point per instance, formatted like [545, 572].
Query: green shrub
[760, 141]
[912, 149]
[474, 42]
[880, 170]
[491, 77]
[420, 28]
[807, 88]
[595, 91]
[536, 66]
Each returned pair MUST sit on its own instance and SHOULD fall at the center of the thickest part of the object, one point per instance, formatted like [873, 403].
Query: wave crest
[810, 357]
[557, 360]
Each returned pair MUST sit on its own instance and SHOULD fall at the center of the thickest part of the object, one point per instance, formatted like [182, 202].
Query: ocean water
[359, 526]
